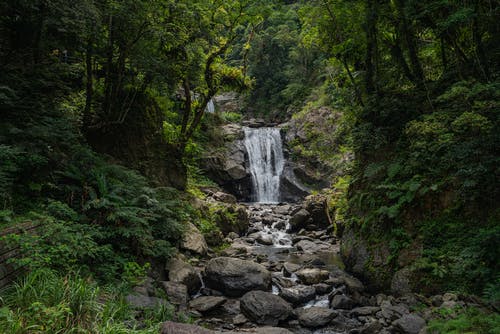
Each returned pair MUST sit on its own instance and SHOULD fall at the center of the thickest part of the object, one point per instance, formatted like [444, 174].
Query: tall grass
[46, 302]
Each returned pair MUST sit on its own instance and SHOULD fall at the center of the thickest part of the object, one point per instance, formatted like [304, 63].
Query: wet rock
[282, 209]
[182, 272]
[264, 308]
[342, 302]
[298, 294]
[206, 303]
[177, 293]
[315, 316]
[170, 327]
[194, 241]
[409, 324]
[234, 277]
[299, 220]
[312, 276]
[144, 302]
[264, 239]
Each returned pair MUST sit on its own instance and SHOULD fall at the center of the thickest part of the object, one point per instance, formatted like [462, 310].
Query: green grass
[471, 321]
[46, 302]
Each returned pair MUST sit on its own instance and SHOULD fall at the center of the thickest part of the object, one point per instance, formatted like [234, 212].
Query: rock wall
[227, 165]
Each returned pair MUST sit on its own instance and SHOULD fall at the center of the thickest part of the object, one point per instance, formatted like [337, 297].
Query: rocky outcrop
[226, 163]
[234, 277]
[265, 308]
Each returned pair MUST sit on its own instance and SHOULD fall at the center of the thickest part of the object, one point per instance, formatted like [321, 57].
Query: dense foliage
[425, 77]
[97, 98]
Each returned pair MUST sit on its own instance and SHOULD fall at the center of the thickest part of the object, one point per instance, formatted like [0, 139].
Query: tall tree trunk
[371, 45]
[89, 91]
[479, 48]
[398, 56]
[108, 80]
[410, 40]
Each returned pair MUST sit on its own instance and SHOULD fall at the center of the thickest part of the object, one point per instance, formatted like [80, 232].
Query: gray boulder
[299, 220]
[177, 293]
[298, 294]
[194, 241]
[312, 276]
[342, 302]
[184, 273]
[409, 324]
[315, 316]
[234, 277]
[264, 308]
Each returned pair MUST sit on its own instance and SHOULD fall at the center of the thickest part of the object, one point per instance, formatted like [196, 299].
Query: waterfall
[210, 106]
[265, 155]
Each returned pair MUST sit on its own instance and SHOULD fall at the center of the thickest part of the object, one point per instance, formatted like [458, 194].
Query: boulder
[234, 277]
[315, 316]
[194, 241]
[206, 303]
[312, 276]
[342, 302]
[298, 294]
[264, 308]
[409, 324]
[299, 220]
[177, 293]
[184, 273]
[264, 239]
[232, 218]
[170, 327]
[289, 268]
[317, 206]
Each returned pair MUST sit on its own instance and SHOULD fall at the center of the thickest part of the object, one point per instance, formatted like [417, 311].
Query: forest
[389, 112]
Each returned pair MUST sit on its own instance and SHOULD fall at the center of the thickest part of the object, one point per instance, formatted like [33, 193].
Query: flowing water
[266, 162]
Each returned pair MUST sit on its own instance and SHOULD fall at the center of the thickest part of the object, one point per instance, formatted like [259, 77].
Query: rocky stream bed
[283, 276]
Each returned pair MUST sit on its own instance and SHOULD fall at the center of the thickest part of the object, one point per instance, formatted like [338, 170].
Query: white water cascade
[265, 155]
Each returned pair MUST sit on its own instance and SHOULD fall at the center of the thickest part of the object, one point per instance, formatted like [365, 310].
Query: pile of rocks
[255, 286]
